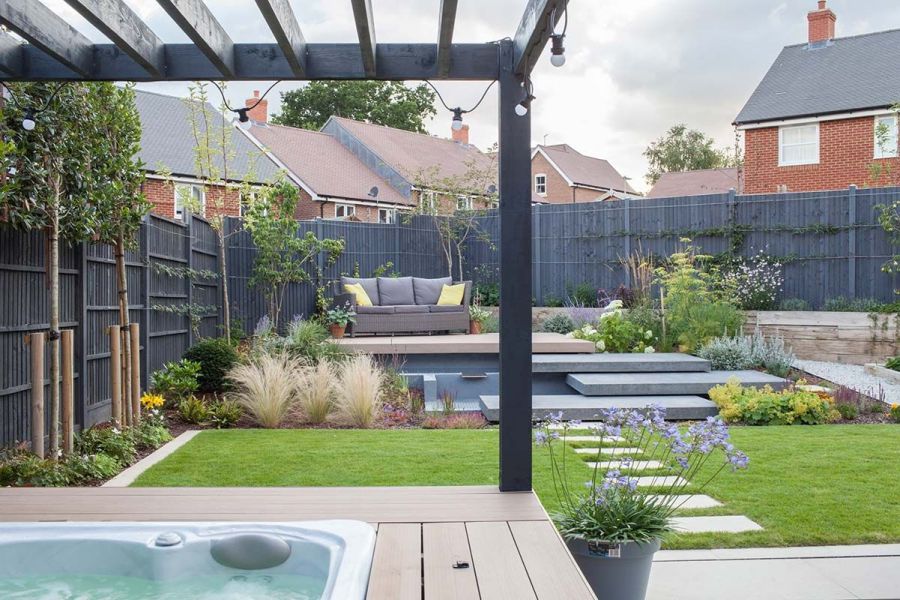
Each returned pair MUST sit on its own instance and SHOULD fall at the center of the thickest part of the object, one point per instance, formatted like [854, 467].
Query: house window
[463, 203]
[429, 202]
[798, 145]
[540, 184]
[886, 136]
[190, 197]
[387, 215]
[342, 211]
[247, 201]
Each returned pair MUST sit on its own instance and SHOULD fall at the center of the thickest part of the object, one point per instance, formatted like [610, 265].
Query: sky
[634, 67]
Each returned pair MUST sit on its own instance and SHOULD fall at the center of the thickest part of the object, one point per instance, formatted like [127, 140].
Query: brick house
[822, 116]
[167, 151]
[695, 183]
[560, 174]
[373, 173]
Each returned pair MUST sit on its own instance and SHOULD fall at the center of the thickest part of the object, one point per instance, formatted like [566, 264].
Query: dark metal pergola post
[515, 280]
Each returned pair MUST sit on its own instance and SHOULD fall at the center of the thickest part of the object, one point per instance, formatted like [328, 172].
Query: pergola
[56, 51]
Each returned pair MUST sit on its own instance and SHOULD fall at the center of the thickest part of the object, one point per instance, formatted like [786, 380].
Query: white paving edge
[636, 465]
[860, 551]
[693, 501]
[129, 475]
[612, 451]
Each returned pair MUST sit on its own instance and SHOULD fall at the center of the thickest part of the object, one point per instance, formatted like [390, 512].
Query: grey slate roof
[167, 140]
[853, 73]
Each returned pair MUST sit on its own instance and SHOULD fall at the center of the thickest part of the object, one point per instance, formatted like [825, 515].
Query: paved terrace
[483, 343]
[512, 548]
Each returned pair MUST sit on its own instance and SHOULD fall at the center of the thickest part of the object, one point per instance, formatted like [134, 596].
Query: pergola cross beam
[284, 26]
[445, 36]
[199, 24]
[46, 30]
[365, 30]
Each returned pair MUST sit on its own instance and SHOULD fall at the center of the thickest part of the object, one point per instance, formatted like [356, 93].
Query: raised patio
[483, 343]
[512, 549]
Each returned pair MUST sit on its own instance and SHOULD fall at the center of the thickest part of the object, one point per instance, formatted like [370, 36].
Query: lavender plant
[613, 509]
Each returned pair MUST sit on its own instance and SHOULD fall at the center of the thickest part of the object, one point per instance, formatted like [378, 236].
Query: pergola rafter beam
[445, 35]
[284, 26]
[10, 55]
[365, 30]
[49, 32]
[533, 32]
[196, 20]
[126, 30]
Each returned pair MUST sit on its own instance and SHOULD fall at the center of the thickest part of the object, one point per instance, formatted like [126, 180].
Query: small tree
[51, 185]
[683, 149]
[283, 256]
[457, 227]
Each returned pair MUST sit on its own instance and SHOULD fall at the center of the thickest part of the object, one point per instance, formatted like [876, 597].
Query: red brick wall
[846, 149]
[162, 194]
[558, 190]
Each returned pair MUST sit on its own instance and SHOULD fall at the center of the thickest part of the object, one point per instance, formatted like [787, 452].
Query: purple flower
[540, 438]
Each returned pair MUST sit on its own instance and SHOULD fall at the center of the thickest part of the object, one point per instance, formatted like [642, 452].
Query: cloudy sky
[634, 67]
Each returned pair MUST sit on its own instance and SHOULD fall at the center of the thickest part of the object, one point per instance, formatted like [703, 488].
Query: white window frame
[540, 188]
[349, 210]
[178, 208]
[429, 202]
[463, 202]
[886, 152]
[781, 145]
[390, 213]
[251, 197]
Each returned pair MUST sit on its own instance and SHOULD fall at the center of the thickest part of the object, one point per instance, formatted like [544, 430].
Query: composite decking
[483, 343]
[512, 549]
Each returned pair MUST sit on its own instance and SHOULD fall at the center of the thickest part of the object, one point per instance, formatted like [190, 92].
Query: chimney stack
[260, 113]
[821, 24]
[461, 136]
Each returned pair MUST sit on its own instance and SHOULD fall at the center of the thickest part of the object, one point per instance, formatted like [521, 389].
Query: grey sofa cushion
[369, 284]
[444, 308]
[429, 290]
[375, 310]
[396, 291]
[408, 309]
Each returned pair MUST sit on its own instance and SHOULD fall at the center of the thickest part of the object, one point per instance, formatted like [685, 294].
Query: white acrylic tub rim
[351, 543]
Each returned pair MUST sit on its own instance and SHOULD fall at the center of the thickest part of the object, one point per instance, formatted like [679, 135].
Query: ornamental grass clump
[358, 394]
[611, 509]
[266, 387]
[315, 391]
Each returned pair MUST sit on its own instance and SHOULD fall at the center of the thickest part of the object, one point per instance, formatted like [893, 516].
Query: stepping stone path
[635, 465]
[662, 481]
[694, 501]
[594, 438]
[722, 524]
[611, 451]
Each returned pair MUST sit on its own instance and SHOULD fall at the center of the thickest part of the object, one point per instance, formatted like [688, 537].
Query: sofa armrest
[467, 294]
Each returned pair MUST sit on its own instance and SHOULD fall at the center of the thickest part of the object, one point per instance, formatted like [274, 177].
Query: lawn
[832, 484]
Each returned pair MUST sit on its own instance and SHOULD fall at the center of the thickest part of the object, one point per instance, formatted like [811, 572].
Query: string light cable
[458, 112]
[243, 118]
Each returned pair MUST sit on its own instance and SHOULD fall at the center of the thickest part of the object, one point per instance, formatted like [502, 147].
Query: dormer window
[540, 184]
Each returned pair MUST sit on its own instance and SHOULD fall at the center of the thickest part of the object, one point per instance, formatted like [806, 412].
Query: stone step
[651, 384]
[694, 501]
[607, 451]
[660, 480]
[618, 363]
[588, 408]
[635, 465]
[720, 524]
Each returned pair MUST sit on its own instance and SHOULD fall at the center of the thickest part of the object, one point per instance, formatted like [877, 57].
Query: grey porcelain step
[658, 384]
[588, 408]
[618, 363]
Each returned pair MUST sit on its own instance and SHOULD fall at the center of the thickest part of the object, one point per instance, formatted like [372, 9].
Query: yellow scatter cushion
[362, 298]
[452, 295]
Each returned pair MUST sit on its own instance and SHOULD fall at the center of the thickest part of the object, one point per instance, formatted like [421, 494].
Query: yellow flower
[152, 401]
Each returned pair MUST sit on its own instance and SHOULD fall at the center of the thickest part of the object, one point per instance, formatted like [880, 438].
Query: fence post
[851, 242]
[397, 243]
[83, 283]
[537, 283]
[145, 301]
[189, 250]
[627, 219]
[37, 392]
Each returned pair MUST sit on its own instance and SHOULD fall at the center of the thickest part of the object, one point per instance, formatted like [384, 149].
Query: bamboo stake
[115, 373]
[135, 333]
[37, 392]
[125, 378]
[68, 390]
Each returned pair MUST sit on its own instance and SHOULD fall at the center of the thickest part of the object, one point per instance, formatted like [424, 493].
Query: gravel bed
[854, 377]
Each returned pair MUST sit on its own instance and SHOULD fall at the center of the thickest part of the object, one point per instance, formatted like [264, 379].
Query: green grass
[820, 485]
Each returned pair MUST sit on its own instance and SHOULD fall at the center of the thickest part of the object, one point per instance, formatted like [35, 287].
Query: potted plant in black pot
[337, 318]
[612, 527]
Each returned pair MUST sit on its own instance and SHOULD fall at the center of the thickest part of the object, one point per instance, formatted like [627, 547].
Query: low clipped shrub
[266, 387]
[729, 353]
[559, 323]
[225, 413]
[842, 304]
[794, 304]
[358, 392]
[110, 440]
[193, 410]
[216, 357]
[460, 420]
[848, 411]
[753, 406]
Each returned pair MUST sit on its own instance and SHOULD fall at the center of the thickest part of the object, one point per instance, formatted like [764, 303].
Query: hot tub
[312, 560]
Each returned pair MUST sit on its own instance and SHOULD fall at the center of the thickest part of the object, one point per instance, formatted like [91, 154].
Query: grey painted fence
[831, 241]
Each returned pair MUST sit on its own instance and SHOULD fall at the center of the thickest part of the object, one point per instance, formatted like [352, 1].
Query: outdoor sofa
[405, 305]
